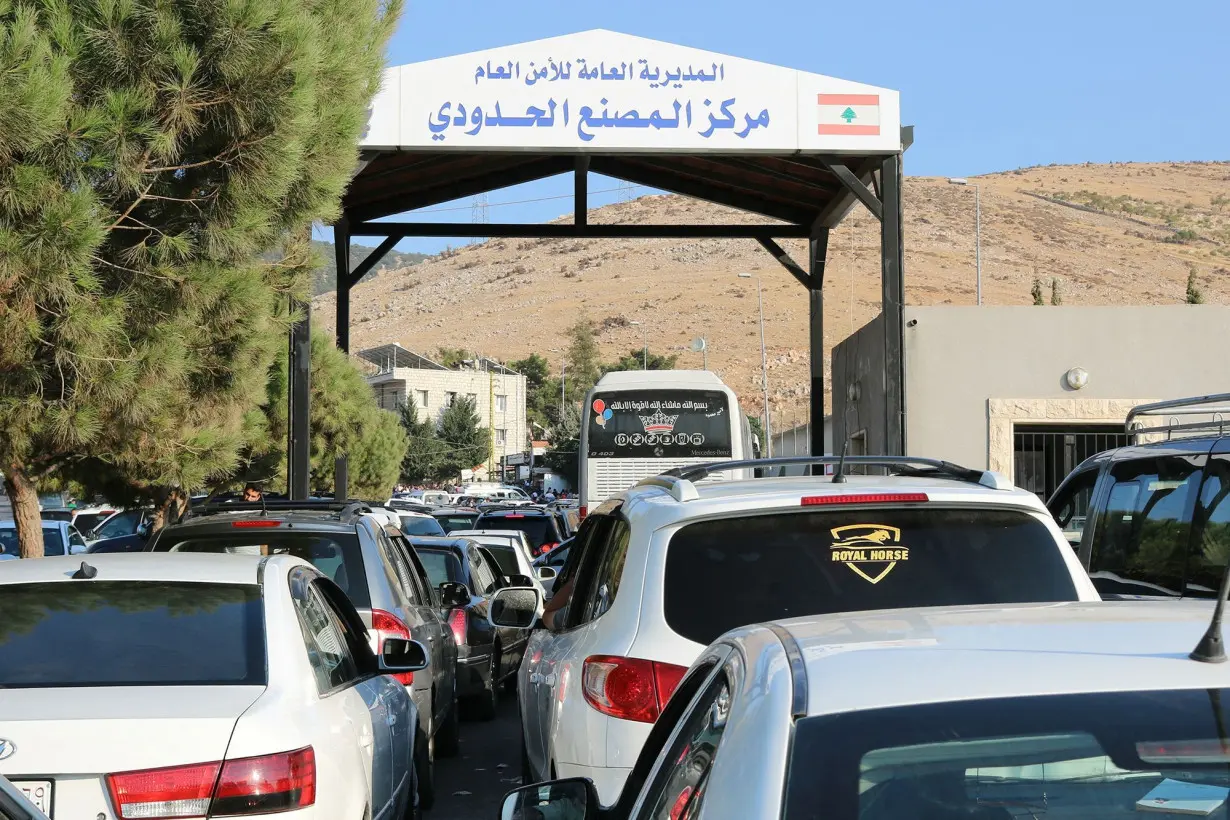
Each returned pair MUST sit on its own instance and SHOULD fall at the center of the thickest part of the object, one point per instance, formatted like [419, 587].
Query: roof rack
[679, 482]
[1174, 408]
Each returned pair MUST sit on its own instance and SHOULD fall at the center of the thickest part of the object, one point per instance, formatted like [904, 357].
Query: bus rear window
[729, 572]
[659, 424]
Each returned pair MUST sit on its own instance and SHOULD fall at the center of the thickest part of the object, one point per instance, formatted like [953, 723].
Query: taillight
[387, 625]
[253, 525]
[863, 498]
[629, 688]
[582, 511]
[251, 785]
[545, 548]
[458, 622]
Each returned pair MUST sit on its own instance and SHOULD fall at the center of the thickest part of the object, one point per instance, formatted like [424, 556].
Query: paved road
[469, 786]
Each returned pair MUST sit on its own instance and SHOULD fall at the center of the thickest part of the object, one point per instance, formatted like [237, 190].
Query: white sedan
[191, 685]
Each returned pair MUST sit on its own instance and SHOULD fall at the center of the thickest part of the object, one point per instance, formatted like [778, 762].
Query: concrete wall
[971, 372]
[858, 389]
[393, 386]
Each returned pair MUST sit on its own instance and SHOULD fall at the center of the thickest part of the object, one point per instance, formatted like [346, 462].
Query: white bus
[639, 423]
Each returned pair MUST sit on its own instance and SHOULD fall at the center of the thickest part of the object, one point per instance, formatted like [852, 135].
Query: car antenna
[85, 572]
[1211, 649]
[839, 473]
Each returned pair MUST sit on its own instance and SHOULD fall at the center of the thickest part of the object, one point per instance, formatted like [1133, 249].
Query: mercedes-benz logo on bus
[7, 749]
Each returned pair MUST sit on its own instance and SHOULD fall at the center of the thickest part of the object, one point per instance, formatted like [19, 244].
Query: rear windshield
[441, 565]
[414, 525]
[1088, 756]
[506, 557]
[734, 571]
[88, 521]
[53, 544]
[537, 528]
[460, 521]
[334, 554]
[127, 633]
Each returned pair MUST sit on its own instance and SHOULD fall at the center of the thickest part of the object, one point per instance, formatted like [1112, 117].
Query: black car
[454, 518]
[541, 527]
[373, 564]
[466, 576]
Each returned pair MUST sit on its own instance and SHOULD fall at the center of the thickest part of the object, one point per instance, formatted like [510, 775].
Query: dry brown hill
[1112, 234]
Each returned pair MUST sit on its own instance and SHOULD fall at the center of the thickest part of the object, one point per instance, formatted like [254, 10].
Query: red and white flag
[856, 114]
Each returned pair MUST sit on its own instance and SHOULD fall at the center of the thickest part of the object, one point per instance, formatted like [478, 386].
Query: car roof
[936, 654]
[413, 514]
[516, 535]
[149, 566]
[442, 541]
[523, 512]
[321, 521]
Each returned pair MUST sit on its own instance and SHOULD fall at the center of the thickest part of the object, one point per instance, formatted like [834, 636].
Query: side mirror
[520, 581]
[547, 573]
[402, 655]
[572, 799]
[143, 529]
[515, 607]
[453, 594]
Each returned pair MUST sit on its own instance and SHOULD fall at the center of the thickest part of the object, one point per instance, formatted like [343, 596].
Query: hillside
[1112, 234]
[325, 279]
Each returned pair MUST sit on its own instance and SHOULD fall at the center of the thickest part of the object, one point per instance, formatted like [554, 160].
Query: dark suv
[1153, 519]
[542, 527]
[374, 565]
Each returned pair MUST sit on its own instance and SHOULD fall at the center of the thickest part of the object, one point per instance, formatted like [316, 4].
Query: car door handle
[535, 677]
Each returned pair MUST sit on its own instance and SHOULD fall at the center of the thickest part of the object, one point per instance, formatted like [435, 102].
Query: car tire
[448, 736]
[423, 771]
[486, 703]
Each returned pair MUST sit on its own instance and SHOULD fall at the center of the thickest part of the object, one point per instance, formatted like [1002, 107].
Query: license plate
[37, 792]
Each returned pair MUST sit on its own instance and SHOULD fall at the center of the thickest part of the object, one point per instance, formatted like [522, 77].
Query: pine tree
[541, 388]
[1194, 295]
[464, 442]
[423, 448]
[1036, 292]
[583, 366]
[1056, 298]
[151, 153]
[638, 359]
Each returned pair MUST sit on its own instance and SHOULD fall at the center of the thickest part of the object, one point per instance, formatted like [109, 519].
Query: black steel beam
[779, 253]
[854, 185]
[892, 263]
[341, 478]
[837, 209]
[371, 260]
[580, 191]
[565, 231]
[346, 279]
[299, 396]
[817, 257]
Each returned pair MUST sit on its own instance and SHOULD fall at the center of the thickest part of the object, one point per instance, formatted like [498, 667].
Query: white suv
[662, 570]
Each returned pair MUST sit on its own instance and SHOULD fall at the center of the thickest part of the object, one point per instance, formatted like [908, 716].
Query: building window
[449, 398]
[1044, 454]
[420, 396]
[501, 404]
[501, 436]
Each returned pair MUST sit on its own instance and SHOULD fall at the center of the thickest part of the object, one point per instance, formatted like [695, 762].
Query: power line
[471, 206]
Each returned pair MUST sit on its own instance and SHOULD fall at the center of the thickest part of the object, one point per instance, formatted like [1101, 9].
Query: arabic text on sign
[552, 72]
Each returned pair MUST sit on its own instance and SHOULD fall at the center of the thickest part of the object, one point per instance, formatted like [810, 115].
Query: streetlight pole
[563, 368]
[645, 335]
[764, 366]
[977, 229]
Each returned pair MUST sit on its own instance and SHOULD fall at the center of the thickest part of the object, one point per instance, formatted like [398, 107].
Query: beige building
[1028, 391]
[497, 392]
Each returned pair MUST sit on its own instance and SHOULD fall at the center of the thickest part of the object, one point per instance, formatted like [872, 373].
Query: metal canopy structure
[796, 148]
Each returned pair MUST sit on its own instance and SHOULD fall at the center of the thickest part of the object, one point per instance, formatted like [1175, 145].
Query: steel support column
[298, 461]
[892, 272]
[817, 255]
[341, 249]
[580, 192]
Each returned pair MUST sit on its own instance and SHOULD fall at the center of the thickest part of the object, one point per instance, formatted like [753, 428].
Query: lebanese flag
[855, 114]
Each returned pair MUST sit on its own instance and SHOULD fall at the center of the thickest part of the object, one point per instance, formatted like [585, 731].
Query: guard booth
[799, 149]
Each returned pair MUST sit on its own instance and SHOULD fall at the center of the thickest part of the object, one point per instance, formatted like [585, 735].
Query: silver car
[1081, 710]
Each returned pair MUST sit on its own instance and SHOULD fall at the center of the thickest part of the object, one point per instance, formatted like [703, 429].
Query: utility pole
[764, 366]
[562, 369]
[977, 229]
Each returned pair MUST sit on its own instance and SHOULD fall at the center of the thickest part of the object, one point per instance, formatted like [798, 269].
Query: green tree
[452, 356]
[582, 357]
[637, 360]
[423, 448]
[464, 442]
[1036, 292]
[541, 388]
[345, 420]
[151, 153]
[561, 458]
[1194, 295]
[1056, 296]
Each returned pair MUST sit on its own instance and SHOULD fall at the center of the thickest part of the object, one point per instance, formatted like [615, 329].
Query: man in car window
[252, 493]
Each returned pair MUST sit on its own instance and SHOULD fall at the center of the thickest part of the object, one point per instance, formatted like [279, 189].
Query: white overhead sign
[600, 91]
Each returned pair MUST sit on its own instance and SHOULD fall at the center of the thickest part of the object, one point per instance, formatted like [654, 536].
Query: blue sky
[988, 85]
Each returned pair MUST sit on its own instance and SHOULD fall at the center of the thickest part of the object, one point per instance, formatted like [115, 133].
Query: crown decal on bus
[659, 422]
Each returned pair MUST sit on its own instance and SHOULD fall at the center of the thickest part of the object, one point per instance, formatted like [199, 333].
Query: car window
[131, 633]
[505, 556]
[582, 569]
[484, 579]
[1140, 543]
[124, 523]
[540, 529]
[398, 583]
[421, 579]
[85, 522]
[405, 576]
[1070, 506]
[420, 525]
[53, 542]
[728, 572]
[1211, 548]
[607, 571]
[328, 654]
[678, 788]
[442, 566]
[459, 521]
